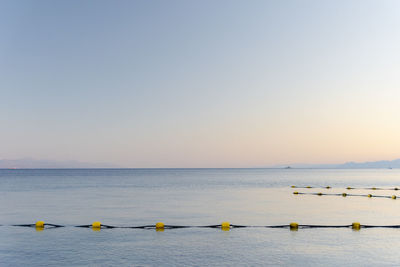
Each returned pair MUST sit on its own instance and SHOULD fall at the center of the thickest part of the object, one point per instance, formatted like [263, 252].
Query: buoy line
[348, 188]
[226, 226]
[344, 195]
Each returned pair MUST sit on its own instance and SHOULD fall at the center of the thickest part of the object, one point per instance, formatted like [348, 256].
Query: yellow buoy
[356, 226]
[308, 187]
[344, 195]
[293, 186]
[348, 188]
[328, 187]
[369, 195]
[39, 224]
[319, 194]
[294, 226]
[373, 188]
[296, 193]
[225, 226]
[394, 197]
[160, 226]
[96, 225]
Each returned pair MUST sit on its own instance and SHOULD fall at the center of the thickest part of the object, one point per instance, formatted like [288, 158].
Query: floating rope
[39, 224]
[226, 226]
[348, 188]
[343, 195]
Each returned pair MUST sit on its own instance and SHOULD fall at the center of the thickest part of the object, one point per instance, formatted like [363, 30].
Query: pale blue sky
[200, 83]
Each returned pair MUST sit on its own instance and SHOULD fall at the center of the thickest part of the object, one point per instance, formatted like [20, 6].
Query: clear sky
[200, 83]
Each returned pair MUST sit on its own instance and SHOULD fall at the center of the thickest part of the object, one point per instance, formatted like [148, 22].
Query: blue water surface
[254, 197]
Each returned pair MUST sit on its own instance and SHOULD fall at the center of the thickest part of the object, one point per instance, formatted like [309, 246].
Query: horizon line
[193, 168]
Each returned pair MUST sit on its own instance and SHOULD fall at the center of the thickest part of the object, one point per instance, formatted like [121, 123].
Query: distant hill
[28, 163]
[382, 164]
[371, 164]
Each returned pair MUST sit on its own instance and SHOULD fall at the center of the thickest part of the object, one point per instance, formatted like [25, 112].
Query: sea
[198, 197]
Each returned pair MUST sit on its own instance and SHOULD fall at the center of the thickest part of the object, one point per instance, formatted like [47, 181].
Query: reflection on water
[195, 197]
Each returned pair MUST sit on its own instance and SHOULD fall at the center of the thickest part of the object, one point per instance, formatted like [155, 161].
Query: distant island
[29, 163]
[382, 164]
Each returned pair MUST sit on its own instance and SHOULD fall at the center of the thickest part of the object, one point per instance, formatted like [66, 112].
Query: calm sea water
[130, 197]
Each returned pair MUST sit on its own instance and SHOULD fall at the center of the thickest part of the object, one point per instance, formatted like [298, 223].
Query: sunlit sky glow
[200, 83]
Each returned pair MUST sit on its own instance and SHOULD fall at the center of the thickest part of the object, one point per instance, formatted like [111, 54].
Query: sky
[200, 83]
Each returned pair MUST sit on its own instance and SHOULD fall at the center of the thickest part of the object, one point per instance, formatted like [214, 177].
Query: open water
[255, 197]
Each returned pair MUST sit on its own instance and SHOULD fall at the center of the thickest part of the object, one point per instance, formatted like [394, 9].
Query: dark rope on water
[232, 226]
[344, 195]
[348, 188]
[34, 225]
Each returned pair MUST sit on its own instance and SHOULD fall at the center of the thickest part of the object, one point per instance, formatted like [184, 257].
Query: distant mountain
[28, 163]
[382, 164]
[371, 164]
